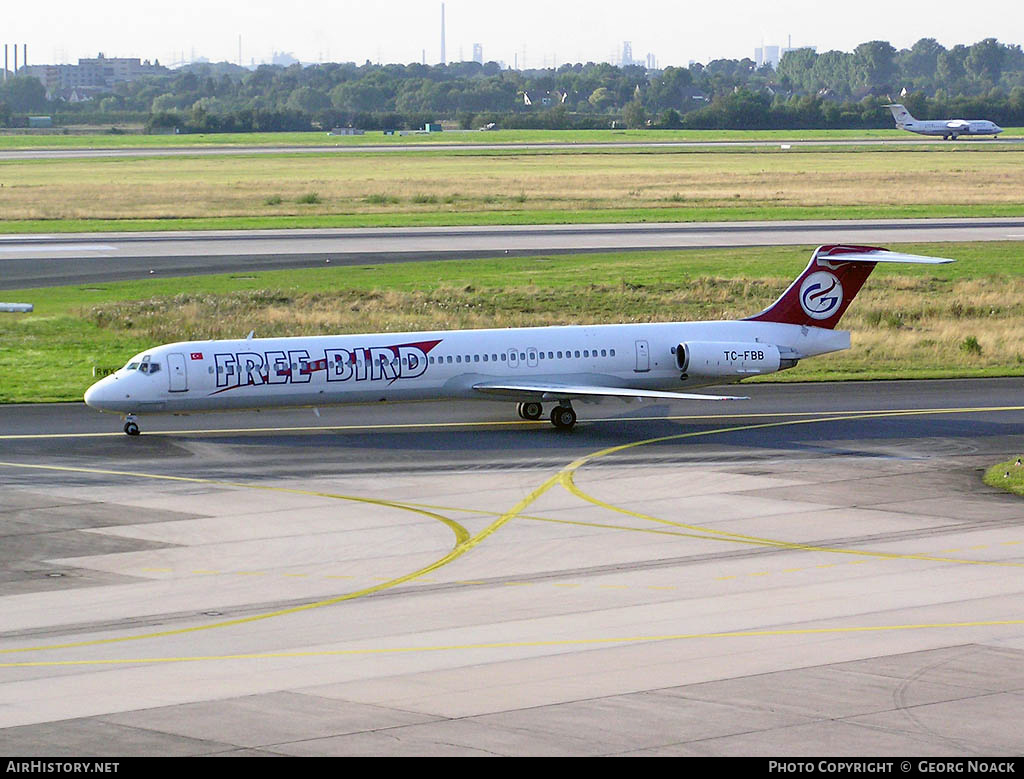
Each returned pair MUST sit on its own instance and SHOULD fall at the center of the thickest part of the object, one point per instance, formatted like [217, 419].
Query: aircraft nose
[99, 394]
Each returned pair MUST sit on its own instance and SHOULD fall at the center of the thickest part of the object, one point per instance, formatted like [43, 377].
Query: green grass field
[964, 319]
[1007, 475]
[459, 188]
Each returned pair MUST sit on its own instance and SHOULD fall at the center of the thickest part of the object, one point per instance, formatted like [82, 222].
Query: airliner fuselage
[255, 373]
[947, 128]
[532, 366]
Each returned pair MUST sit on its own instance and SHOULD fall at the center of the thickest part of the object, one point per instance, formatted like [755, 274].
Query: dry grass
[907, 324]
[370, 184]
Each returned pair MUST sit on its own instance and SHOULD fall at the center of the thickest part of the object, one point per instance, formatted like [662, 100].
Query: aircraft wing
[958, 123]
[553, 391]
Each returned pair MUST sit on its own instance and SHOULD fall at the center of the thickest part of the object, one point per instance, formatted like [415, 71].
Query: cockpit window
[149, 367]
[131, 366]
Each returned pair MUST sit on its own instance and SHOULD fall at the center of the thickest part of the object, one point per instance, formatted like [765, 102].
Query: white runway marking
[67, 247]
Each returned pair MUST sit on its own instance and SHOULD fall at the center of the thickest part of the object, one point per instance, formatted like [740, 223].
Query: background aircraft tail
[821, 294]
[900, 114]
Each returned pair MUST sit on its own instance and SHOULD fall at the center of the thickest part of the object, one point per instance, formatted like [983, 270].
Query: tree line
[833, 89]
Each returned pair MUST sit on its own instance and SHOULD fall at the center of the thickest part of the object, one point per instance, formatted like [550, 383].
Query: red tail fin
[822, 293]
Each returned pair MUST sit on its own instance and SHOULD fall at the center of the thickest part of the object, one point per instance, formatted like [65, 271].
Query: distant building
[92, 75]
[550, 98]
[772, 55]
[478, 53]
[283, 58]
[107, 71]
[627, 53]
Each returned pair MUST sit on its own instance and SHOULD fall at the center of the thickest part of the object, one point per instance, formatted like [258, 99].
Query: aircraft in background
[947, 128]
[530, 366]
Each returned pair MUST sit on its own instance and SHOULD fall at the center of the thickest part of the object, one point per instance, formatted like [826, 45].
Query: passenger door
[177, 373]
[643, 357]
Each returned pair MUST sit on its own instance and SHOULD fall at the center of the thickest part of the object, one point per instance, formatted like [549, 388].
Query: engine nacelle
[727, 359]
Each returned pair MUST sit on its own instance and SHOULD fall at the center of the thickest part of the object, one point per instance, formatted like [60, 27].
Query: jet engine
[725, 359]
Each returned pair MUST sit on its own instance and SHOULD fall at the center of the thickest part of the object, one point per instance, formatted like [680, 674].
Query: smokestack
[15, 59]
[24, 55]
[443, 60]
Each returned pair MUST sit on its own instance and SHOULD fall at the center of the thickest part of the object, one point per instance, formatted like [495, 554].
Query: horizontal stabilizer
[884, 255]
[552, 391]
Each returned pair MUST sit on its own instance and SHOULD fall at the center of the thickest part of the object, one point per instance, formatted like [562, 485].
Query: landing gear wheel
[563, 417]
[131, 428]
[530, 410]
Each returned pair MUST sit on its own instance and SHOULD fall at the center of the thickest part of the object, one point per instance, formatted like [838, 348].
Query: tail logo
[821, 295]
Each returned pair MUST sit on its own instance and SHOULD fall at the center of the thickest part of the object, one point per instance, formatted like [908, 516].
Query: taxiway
[818, 570]
[28, 261]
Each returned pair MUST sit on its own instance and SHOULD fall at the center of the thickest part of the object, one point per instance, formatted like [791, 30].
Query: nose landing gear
[131, 426]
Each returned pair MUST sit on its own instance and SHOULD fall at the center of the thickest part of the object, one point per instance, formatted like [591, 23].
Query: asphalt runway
[221, 150]
[818, 570]
[92, 258]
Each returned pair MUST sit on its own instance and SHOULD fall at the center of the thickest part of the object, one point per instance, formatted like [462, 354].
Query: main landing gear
[562, 416]
[131, 425]
[529, 410]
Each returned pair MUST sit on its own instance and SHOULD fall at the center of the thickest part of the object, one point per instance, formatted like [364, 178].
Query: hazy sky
[541, 33]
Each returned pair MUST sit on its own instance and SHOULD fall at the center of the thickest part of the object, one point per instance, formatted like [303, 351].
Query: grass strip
[1007, 475]
[526, 217]
[100, 140]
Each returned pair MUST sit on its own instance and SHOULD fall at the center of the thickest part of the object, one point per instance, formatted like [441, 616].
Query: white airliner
[947, 128]
[531, 366]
